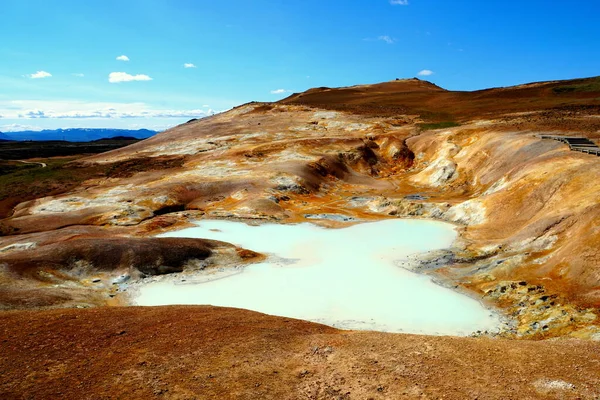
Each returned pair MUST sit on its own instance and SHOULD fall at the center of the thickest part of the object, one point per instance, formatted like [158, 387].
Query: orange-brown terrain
[526, 210]
[206, 352]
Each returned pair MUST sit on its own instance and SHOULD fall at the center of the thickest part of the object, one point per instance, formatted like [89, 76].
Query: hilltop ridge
[435, 104]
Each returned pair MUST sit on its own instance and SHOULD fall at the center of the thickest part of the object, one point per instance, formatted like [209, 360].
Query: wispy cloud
[123, 58]
[64, 109]
[399, 2]
[19, 127]
[34, 114]
[386, 38]
[116, 77]
[280, 91]
[78, 75]
[425, 72]
[40, 74]
[114, 113]
[189, 65]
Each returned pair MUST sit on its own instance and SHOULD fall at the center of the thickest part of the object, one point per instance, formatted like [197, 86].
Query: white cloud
[78, 75]
[189, 65]
[116, 77]
[19, 127]
[279, 91]
[40, 74]
[178, 113]
[386, 39]
[399, 2]
[425, 72]
[64, 109]
[34, 114]
[205, 105]
[123, 58]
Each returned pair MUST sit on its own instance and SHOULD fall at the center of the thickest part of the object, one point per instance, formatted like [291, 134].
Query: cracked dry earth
[526, 211]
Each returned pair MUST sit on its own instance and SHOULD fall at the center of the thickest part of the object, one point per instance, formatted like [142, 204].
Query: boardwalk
[575, 143]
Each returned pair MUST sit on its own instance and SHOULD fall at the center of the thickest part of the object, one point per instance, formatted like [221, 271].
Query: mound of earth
[208, 352]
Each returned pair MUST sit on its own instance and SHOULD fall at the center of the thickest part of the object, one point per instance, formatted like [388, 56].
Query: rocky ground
[526, 211]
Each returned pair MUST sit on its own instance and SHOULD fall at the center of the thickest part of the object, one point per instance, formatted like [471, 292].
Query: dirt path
[208, 353]
[43, 165]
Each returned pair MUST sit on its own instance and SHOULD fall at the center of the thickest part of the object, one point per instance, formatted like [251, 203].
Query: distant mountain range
[5, 137]
[77, 134]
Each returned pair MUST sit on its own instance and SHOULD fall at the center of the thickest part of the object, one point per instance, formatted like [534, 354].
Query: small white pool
[346, 278]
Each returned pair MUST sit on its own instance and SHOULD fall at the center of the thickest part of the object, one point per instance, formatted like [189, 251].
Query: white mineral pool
[347, 278]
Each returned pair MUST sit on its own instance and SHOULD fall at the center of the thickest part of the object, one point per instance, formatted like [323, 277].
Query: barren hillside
[526, 209]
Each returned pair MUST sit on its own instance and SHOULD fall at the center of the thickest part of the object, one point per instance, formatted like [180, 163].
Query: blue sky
[59, 66]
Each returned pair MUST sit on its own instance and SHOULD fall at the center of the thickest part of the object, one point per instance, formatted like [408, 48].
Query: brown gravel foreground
[202, 352]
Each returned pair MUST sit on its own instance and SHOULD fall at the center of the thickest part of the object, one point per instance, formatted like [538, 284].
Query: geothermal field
[347, 278]
[395, 240]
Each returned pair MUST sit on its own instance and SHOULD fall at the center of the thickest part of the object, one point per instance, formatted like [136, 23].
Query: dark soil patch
[29, 181]
[18, 150]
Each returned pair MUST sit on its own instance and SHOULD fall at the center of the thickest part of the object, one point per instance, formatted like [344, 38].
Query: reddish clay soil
[432, 103]
[221, 353]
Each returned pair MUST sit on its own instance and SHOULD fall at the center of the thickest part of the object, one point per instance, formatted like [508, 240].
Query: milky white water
[347, 278]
